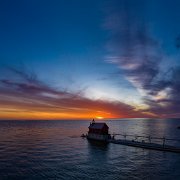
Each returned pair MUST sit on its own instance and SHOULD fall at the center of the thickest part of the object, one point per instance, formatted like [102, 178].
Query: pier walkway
[146, 142]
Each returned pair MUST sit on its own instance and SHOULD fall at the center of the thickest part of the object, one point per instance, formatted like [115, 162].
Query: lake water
[54, 150]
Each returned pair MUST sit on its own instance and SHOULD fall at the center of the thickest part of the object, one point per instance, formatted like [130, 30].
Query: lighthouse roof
[98, 125]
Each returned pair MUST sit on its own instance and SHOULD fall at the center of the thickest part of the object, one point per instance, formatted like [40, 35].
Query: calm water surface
[54, 150]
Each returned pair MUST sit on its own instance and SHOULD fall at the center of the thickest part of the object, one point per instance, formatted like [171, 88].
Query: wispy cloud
[25, 96]
[139, 55]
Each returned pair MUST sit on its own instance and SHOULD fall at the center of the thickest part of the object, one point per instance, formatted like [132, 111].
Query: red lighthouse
[98, 131]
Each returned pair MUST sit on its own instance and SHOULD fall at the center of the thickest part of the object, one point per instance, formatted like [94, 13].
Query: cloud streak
[26, 97]
[139, 55]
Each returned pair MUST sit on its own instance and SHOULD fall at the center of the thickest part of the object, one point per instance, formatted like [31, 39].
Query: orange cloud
[27, 98]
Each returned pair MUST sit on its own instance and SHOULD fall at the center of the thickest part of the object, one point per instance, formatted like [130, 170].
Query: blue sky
[99, 49]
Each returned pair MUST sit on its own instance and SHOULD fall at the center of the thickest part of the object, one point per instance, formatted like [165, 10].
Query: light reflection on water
[54, 150]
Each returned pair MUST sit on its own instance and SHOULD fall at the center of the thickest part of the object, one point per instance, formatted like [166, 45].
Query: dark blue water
[54, 150]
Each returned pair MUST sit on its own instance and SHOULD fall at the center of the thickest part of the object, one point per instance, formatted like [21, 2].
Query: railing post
[164, 141]
[125, 136]
[149, 139]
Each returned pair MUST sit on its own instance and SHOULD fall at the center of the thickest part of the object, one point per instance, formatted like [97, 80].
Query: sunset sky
[78, 59]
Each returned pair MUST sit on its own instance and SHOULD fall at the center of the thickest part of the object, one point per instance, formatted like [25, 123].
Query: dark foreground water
[54, 150]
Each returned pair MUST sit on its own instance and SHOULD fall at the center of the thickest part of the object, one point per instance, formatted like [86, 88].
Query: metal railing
[149, 138]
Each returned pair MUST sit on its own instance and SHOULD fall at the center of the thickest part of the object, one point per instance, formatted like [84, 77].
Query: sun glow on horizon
[99, 117]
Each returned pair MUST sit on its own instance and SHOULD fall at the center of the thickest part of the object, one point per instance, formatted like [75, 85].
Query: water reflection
[97, 151]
